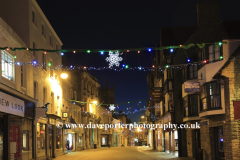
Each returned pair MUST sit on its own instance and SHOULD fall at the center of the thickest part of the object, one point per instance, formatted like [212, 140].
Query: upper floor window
[35, 88]
[190, 72]
[22, 77]
[51, 41]
[211, 52]
[44, 61]
[169, 70]
[190, 103]
[210, 96]
[193, 72]
[43, 30]
[75, 95]
[44, 95]
[33, 17]
[7, 65]
[34, 47]
[214, 54]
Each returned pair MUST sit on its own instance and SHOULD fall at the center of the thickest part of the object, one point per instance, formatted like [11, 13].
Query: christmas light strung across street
[62, 54]
[188, 60]
[149, 49]
[114, 59]
[171, 50]
[112, 107]
[102, 52]
[34, 62]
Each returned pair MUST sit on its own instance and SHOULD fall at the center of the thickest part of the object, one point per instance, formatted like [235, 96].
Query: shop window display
[59, 141]
[41, 146]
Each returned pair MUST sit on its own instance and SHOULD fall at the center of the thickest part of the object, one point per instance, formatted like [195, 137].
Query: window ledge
[194, 118]
[7, 80]
[212, 112]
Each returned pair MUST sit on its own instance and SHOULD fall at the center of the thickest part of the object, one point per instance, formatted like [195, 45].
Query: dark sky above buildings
[120, 24]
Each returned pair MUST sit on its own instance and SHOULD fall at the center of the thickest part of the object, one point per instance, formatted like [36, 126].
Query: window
[190, 103]
[211, 52]
[35, 87]
[7, 65]
[193, 72]
[51, 70]
[214, 89]
[43, 30]
[41, 139]
[210, 96]
[217, 53]
[75, 95]
[51, 41]
[22, 79]
[169, 73]
[34, 47]
[44, 61]
[214, 54]
[71, 94]
[44, 95]
[170, 101]
[185, 105]
[33, 17]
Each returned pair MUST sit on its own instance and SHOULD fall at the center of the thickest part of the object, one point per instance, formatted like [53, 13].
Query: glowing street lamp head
[94, 102]
[64, 75]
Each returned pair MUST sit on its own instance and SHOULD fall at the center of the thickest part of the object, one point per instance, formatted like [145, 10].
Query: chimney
[208, 14]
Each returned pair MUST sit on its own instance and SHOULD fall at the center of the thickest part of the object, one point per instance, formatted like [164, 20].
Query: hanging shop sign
[236, 105]
[192, 87]
[40, 112]
[12, 105]
[157, 94]
[65, 114]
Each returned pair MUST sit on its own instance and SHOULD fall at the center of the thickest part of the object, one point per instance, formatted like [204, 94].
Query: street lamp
[64, 75]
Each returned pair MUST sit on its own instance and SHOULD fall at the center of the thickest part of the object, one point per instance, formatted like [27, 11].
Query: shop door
[197, 140]
[219, 150]
[50, 135]
[167, 142]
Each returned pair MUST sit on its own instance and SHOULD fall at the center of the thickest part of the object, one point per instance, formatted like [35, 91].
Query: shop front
[16, 127]
[69, 140]
[104, 140]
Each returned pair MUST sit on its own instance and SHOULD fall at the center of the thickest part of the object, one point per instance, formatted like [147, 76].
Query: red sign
[15, 136]
[236, 105]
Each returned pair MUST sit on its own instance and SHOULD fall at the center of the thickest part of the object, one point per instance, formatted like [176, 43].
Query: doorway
[219, 143]
[50, 134]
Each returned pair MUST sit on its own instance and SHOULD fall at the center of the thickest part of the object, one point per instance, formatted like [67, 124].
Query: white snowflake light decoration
[114, 59]
[112, 107]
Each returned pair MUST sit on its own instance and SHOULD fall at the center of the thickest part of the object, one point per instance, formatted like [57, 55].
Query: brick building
[215, 71]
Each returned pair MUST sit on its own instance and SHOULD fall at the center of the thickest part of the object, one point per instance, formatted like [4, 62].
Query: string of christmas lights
[123, 67]
[101, 51]
[116, 104]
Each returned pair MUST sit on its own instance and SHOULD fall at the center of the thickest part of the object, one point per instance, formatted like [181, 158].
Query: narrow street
[119, 153]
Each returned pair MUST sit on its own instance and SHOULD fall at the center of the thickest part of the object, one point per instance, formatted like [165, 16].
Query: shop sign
[12, 105]
[15, 141]
[40, 112]
[204, 123]
[65, 114]
[52, 121]
[236, 105]
[192, 87]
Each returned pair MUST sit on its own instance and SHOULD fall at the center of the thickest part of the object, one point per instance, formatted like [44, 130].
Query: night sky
[120, 24]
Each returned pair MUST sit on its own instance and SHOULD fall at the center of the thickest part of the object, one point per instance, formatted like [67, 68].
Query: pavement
[120, 153]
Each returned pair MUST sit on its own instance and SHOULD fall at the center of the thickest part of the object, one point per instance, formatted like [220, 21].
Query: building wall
[232, 93]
